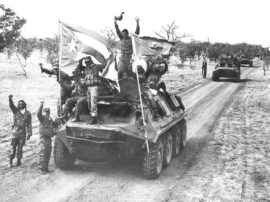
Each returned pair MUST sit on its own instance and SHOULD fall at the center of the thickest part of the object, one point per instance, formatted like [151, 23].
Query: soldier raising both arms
[22, 123]
[126, 48]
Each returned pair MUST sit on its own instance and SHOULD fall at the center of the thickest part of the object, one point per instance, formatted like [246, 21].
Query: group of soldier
[81, 90]
[22, 125]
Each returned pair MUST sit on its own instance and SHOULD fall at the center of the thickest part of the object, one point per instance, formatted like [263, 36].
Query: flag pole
[140, 96]
[59, 60]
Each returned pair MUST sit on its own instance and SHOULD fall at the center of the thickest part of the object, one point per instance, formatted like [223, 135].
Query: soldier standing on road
[126, 48]
[204, 64]
[22, 122]
[47, 128]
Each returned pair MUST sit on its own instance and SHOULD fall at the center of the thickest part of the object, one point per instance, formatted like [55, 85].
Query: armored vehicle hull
[126, 129]
[226, 72]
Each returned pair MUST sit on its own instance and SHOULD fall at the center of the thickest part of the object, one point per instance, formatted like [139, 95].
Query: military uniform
[64, 81]
[46, 130]
[157, 69]
[22, 123]
[78, 97]
[204, 64]
[93, 81]
[126, 51]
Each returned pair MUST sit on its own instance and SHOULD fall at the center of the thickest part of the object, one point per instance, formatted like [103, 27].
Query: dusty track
[122, 181]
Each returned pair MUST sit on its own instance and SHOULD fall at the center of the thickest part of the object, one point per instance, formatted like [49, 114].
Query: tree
[110, 37]
[10, 27]
[25, 47]
[170, 33]
[52, 48]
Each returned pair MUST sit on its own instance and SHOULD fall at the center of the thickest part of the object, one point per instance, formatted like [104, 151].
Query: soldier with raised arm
[47, 128]
[126, 48]
[65, 81]
[22, 125]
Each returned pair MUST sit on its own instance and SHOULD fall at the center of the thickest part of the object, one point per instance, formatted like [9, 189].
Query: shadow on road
[235, 81]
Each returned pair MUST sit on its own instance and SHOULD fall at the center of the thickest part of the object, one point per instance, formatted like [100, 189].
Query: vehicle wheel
[176, 141]
[168, 147]
[153, 161]
[183, 131]
[62, 158]
[251, 63]
[214, 76]
[238, 77]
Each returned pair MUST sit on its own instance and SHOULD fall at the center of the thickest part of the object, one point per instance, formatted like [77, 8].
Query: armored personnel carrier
[228, 67]
[126, 128]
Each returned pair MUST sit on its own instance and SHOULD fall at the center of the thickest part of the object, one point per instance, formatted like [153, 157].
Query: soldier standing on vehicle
[94, 81]
[126, 48]
[22, 123]
[47, 128]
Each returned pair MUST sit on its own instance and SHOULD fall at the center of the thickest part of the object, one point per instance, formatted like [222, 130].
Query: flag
[77, 42]
[140, 47]
[162, 46]
[150, 46]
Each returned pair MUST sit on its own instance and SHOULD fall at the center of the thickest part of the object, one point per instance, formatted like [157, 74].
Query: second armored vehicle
[228, 67]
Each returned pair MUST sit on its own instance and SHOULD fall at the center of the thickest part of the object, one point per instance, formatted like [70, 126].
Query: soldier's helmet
[46, 109]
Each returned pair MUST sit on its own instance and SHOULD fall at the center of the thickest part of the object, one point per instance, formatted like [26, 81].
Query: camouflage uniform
[93, 81]
[46, 131]
[22, 121]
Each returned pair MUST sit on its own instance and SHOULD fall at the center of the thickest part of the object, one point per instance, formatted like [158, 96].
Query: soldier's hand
[42, 102]
[10, 96]
[28, 137]
[137, 20]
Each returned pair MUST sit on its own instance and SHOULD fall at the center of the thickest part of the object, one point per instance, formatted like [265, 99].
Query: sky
[232, 21]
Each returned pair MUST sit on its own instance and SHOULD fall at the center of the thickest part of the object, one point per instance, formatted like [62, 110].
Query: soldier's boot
[155, 114]
[19, 162]
[11, 162]
[93, 120]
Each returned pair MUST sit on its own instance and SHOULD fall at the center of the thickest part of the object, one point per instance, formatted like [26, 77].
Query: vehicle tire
[153, 161]
[62, 158]
[213, 76]
[168, 147]
[251, 63]
[238, 77]
[183, 131]
[176, 141]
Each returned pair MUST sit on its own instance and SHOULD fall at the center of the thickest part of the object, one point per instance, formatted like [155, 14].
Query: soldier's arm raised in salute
[118, 32]
[137, 31]
[39, 114]
[13, 108]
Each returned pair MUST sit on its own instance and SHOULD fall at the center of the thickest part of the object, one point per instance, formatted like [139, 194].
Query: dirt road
[223, 159]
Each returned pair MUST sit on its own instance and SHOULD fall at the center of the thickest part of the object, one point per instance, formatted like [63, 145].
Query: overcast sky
[232, 21]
